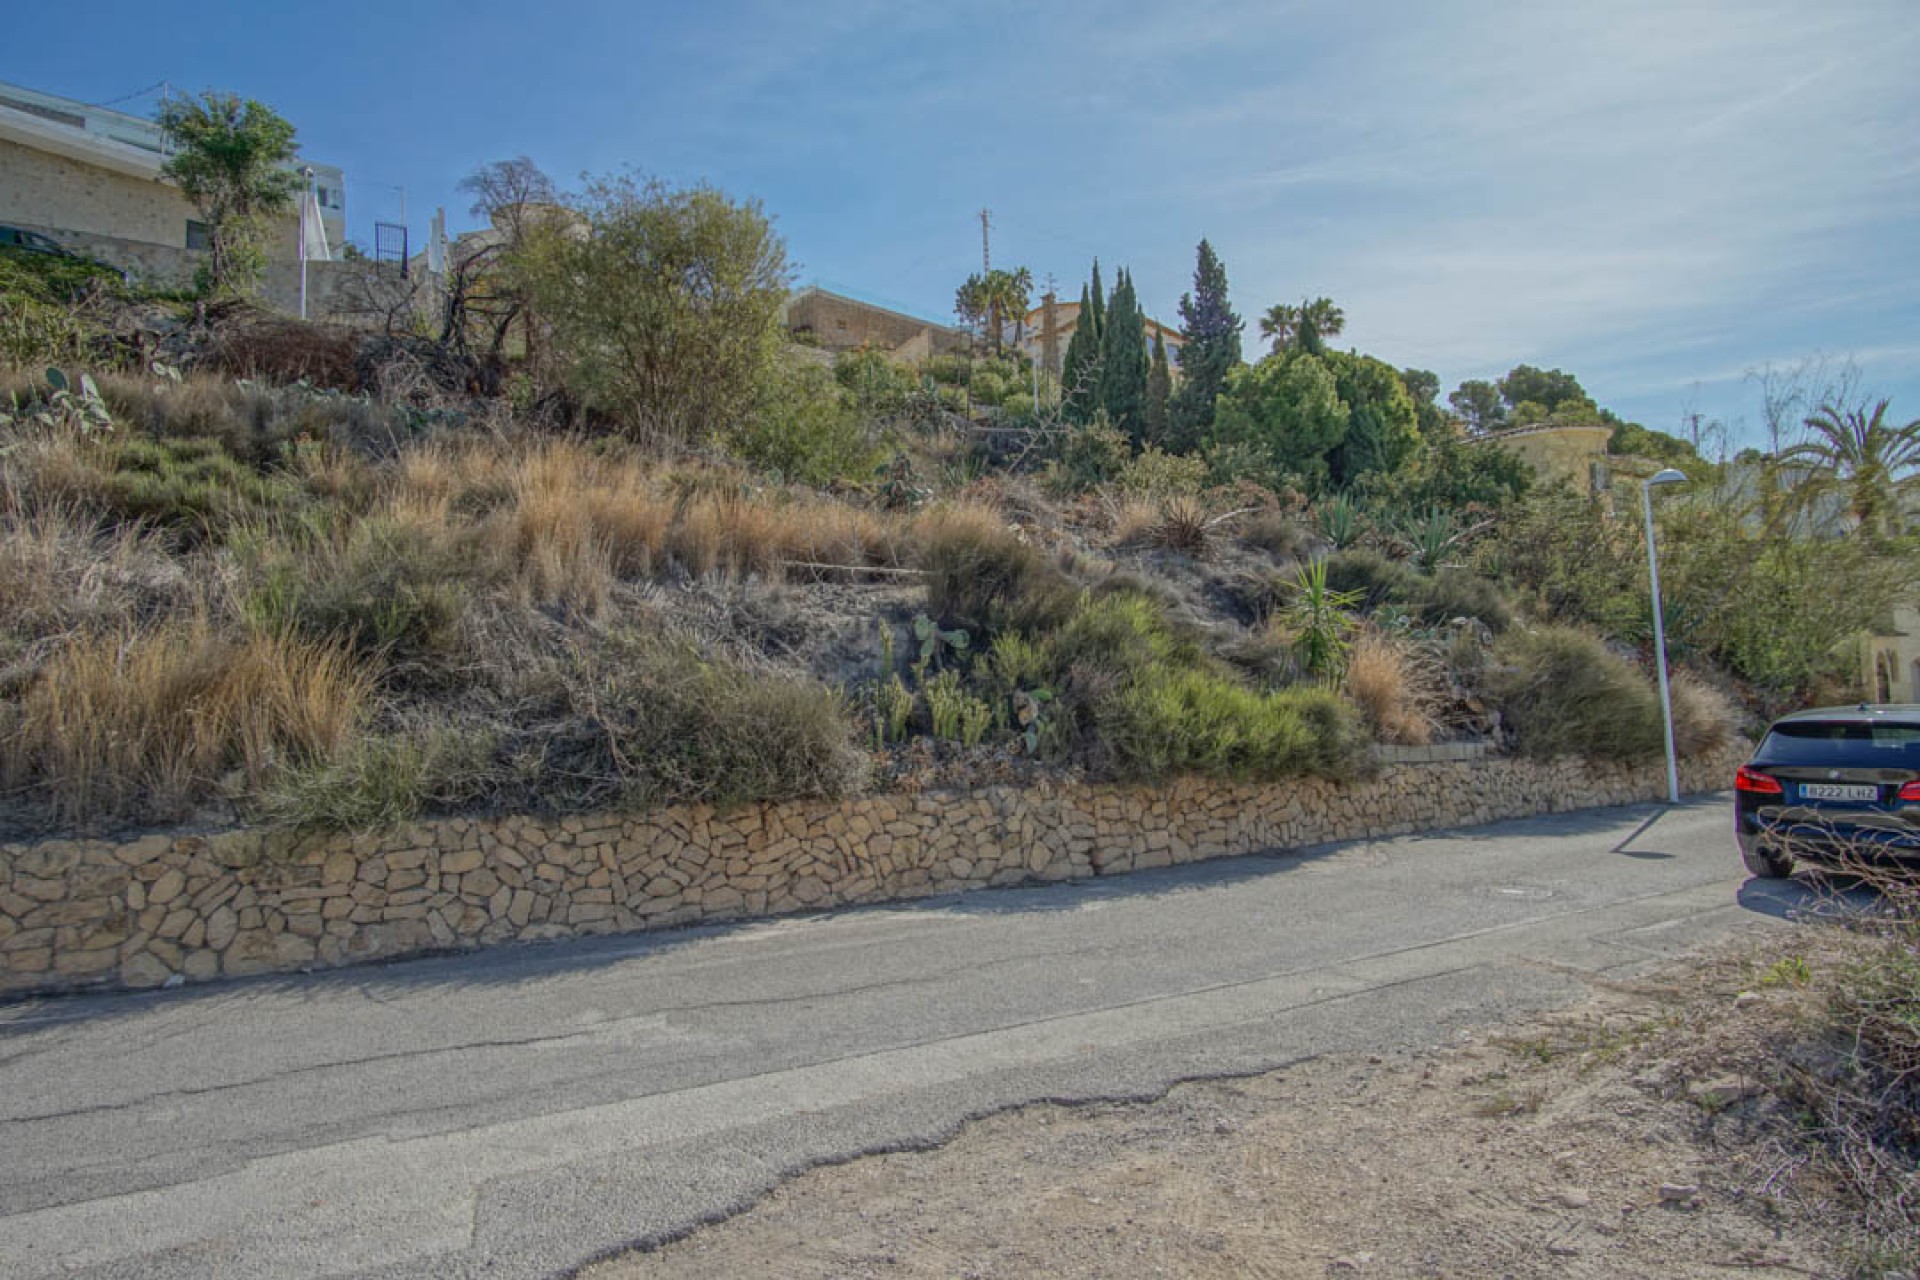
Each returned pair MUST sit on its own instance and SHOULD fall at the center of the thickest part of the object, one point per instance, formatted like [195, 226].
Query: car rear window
[1893, 745]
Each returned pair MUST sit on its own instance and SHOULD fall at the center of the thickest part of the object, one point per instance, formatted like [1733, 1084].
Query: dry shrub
[983, 577]
[1184, 526]
[1278, 535]
[1704, 719]
[1396, 688]
[1565, 694]
[276, 350]
[141, 725]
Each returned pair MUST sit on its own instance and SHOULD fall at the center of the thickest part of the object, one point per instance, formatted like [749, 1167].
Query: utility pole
[986, 254]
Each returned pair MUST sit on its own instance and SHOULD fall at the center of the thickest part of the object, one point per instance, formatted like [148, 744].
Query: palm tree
[1862, 456]
[1280, 324]
[1011, 291]
[1323, 318]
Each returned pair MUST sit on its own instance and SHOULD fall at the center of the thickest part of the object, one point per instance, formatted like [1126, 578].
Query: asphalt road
[525, 1111]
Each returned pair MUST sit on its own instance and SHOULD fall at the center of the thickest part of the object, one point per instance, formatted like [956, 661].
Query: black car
[1832, 785]
[33, 242]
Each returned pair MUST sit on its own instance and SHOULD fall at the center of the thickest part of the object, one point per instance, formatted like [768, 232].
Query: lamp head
[1667, 476]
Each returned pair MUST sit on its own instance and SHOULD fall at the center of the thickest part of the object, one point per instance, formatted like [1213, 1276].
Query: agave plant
[1432, 539]
[1340, 521]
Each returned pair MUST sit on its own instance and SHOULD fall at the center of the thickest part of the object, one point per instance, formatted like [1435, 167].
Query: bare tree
[506, 191]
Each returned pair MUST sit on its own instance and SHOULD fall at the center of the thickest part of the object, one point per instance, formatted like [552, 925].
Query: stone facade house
[89, 177]
[835, 323]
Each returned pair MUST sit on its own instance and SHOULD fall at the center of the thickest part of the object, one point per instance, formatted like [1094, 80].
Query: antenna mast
[986, 253]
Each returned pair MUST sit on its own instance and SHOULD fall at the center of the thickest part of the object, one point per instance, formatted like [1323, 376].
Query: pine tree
[1123, 360]
[1210, 353]
[1159, 392]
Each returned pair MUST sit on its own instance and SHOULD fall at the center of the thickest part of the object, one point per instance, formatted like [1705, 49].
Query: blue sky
[1658, 197]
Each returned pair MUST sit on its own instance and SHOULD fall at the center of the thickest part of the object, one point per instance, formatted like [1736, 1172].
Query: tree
[1080, 367]
[1863, 457]
[1320, 320]
[1287, 412]
[1548, 388]
[664, 306]
[484, 296]
[987, 299]
[1124, 363]
[1159, 392]
[1479, 405]
[230, 159]
[1382, 423]
[508, 193]
[1279, 325]
[1210, 353]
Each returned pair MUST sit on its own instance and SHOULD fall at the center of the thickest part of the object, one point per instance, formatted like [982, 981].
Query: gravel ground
[1621, 1138]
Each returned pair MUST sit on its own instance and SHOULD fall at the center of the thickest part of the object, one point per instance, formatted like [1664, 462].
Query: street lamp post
[1668, 476]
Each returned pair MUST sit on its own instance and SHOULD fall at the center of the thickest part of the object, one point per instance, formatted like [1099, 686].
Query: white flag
[313, 232]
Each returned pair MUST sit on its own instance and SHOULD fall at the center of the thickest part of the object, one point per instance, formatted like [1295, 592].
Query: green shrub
[34, 334]
[1279, 536]
[45, 278]
[1159, 475]
[1087, 457]
[1461, 593]
[1564, 694]
[1194, 721]
[1447, 594]
[669, 725]
[385, 586]
[378, 782]
[807, 429]
[1375, 578]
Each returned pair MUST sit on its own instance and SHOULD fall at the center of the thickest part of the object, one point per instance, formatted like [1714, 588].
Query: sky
[1664, 199]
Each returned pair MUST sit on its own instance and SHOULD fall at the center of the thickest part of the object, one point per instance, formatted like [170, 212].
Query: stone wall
[170, 906]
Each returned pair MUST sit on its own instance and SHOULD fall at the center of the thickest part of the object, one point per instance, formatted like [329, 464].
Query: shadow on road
[1811, 895]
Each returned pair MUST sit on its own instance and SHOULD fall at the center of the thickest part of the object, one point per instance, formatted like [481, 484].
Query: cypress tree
[1159, 391]
[1123, 360]
[1210, 353]
[1077, 367]
[1099, 306]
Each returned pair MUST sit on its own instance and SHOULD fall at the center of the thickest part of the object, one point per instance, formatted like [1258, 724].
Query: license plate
[1838, 791]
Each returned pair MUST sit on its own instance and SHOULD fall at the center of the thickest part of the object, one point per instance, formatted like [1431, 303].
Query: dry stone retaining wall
[166, 906]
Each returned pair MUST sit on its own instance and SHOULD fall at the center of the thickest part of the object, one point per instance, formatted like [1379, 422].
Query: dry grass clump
[1184, 526]
[568, 520]
[1397, 688]
[58, 573]
[1278, 535]
[1704, 719]
[141, 725]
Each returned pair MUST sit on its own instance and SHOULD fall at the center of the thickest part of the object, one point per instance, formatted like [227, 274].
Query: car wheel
[1764, 861]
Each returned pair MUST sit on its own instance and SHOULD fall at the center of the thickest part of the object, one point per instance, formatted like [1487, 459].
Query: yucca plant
[1321, 622]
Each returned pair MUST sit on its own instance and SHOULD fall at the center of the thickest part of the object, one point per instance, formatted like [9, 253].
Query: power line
[128, 97]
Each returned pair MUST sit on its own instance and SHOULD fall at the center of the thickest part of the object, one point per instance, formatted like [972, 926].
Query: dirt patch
[1633, 1136]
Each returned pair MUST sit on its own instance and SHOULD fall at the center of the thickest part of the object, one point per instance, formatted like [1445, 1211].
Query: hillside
[280, 573]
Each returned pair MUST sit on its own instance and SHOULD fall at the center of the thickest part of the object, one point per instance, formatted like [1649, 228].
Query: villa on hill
[90, 179]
